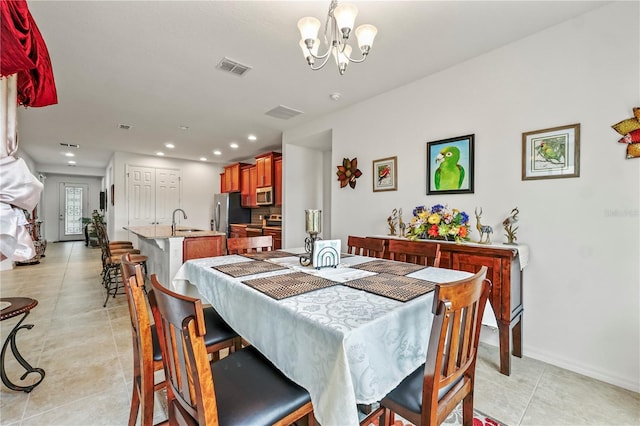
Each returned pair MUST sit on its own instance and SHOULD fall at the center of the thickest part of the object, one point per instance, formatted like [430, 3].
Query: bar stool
[17, 306]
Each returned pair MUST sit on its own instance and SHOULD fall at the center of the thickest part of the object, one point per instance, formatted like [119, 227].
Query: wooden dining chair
[243, 388]
[249, 244]
[372, 247]
[429, 394]
[418, 252]
[147, 355]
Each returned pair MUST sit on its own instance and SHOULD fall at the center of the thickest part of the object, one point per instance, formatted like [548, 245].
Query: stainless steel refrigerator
[227, 209]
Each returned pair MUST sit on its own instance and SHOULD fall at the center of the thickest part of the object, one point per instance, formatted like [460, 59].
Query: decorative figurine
[391, 222]
[484, 230]
[401, 225]
[508, 226]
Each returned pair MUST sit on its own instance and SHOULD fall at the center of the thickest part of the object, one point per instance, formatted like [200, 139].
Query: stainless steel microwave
[264, 196]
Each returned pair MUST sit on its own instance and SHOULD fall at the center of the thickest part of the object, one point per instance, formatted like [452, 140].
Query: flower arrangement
[439, 223]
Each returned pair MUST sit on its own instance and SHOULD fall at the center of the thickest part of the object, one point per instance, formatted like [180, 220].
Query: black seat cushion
[408, 393]
[252, 391]
[217, 331]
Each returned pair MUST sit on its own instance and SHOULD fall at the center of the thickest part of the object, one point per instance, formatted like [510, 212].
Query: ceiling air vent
[233, 67]
[69, 145]
[124, 126]
[283, 112]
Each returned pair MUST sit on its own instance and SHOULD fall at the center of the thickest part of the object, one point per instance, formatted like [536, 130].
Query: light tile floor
[85, 350]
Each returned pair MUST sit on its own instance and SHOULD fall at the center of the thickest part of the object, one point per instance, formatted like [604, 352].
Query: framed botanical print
[385, 174]
[450, 166]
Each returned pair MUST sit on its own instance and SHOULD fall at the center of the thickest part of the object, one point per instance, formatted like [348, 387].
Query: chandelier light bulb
[309, 27]
[345, 15]
[365, 35]
[342, 58]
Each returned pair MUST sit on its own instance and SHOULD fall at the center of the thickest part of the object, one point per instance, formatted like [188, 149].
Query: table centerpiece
[438, 223]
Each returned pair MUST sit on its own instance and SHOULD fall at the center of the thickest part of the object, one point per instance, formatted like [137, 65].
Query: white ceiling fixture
[234, 145]
[337, 28]
[69, 154]
[160, 153]
[252, 138]
[169, 145]
[234, 67]
[203, 158]
[217, 152]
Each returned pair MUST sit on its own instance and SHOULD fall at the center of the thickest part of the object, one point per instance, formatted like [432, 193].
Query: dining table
[348, 334]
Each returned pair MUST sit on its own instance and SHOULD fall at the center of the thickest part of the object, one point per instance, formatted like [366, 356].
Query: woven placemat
[251, 267]
[389, 266]
[264, 255]
[393, 286]
[287, 285]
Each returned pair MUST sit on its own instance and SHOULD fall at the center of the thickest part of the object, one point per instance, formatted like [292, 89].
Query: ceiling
[151, 65]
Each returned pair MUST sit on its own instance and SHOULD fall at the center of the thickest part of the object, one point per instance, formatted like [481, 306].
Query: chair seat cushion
[408, 393]
[251, 391]
[217, 331]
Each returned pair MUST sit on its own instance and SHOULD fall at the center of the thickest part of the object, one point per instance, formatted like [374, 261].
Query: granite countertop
[164, 231]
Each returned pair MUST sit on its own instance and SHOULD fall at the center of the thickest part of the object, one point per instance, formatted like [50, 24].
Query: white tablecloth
[345, 346]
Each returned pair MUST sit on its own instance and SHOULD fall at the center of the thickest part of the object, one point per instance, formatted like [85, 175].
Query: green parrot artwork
[449, 174]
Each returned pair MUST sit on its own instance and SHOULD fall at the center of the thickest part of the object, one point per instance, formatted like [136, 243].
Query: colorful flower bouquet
[438, 223]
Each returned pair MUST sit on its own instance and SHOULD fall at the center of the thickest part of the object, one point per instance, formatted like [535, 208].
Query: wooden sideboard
[505, 273]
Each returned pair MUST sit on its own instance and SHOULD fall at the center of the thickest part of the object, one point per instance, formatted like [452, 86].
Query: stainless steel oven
[264, 196]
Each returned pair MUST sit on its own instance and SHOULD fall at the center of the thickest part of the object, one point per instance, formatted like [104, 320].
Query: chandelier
[337, 29]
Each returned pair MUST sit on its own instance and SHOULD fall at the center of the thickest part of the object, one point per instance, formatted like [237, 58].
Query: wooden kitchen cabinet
[223, 184]
[233, 177]
[199, 247]
[265, 168]
[277, 237]
[253, 184]
[254, 232]
[245, 193]
[277, 170]
[237, 231]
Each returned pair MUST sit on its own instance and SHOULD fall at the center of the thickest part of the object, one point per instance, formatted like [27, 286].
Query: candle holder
[313, 225]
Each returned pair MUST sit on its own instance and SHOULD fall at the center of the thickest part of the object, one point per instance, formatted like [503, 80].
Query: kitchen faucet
[173, 220]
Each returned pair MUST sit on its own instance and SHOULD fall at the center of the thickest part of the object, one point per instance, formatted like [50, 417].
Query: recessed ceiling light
[252, 138]
[217, 152]
[183, 127]
[71, 162]
[234, 145]
[169, 145]
[203, 158]
[69, 154]
[160, 153]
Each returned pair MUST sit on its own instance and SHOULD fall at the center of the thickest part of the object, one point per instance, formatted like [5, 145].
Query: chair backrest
[143, 362]
[249, 244]
[453, 344]
[418, 252]
[181, 328]
[373, 247]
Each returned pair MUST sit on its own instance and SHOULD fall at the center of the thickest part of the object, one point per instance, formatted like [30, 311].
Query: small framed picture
[551, 153]
[385, 174]
[450, 166]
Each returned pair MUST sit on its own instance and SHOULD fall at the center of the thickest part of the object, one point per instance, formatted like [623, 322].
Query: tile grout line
[535, 388]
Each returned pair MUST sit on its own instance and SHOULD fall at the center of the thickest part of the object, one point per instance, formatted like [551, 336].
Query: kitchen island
[167, 252]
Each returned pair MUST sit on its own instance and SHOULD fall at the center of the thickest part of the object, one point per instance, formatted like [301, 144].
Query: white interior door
[167, 194]
[153, 194]
[73, 206]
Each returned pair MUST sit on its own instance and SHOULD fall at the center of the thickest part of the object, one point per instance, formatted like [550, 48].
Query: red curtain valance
[25, 52]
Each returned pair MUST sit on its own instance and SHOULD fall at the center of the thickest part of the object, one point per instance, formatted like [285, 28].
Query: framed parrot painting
[385, 174]
[450, 166]
[551, 153]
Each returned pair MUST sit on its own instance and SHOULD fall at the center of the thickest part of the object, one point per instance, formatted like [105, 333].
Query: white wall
[200, 180]
[581, 288]
[50, 204]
